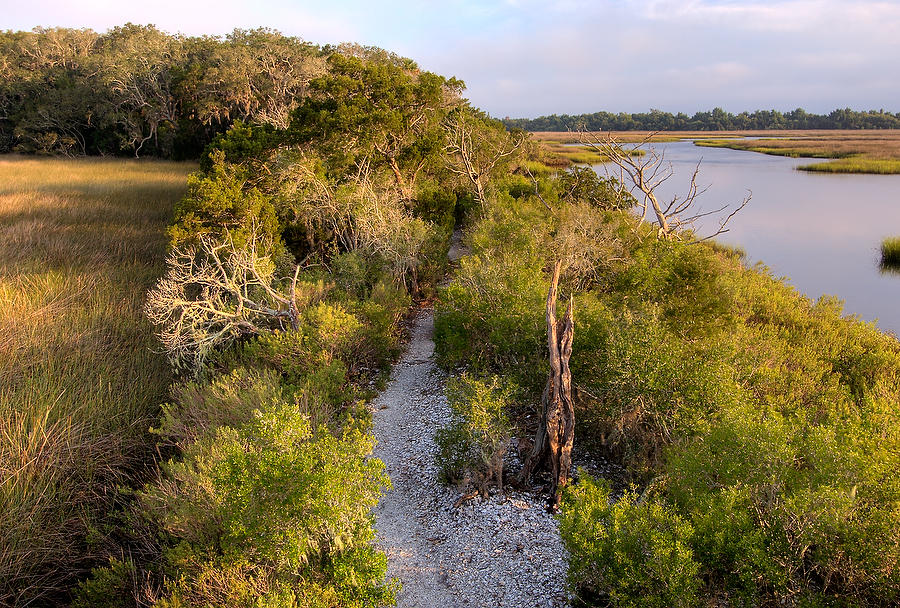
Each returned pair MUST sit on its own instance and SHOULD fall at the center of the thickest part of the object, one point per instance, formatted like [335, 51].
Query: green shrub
[199, 408]
[472, 447]
[108, 587]
[272, 492]
[627, 552]
[222, 201]
[583, 184]
[240, 144]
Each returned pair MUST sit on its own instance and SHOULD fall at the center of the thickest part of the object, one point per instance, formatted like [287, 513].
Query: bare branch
[646, 173]
[215, 294]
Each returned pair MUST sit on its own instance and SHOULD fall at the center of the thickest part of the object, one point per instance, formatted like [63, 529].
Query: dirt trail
[500, 551]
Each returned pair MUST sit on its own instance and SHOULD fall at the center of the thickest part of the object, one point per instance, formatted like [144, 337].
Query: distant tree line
[136, 90]
[713, 120]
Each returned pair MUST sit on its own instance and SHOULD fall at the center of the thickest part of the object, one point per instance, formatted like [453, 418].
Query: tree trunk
[556, 432]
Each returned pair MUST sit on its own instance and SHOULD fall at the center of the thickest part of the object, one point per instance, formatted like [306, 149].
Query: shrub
[275, 493]
[221, 201]
[628, 552]
[109, 587]
[228, 400]
[472, 447]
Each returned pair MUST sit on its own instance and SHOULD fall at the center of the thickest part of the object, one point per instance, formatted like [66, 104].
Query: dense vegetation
[136, 90]
[294, 255]
[80, 376]
[712, 120]
[758, 429]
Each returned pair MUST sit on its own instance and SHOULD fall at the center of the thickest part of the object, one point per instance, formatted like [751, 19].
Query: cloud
[531, 57]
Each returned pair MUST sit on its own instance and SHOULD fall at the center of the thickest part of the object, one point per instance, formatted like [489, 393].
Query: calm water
[821, 232]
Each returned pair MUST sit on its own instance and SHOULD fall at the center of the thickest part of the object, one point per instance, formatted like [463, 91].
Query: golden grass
[875, 166]
[558, 154]
[854, 151]
[80, 381]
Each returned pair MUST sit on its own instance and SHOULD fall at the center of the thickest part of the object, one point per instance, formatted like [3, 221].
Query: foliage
[391, 113]
[711, 120]
[471, 448]
[137, 90]
[584, 184]
[760, 419]
[110, 587]
[628, 551]
[221, 203]
[271, 489]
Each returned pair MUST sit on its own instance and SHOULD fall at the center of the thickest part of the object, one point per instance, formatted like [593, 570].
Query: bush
[276, 493]
[221, 201]
[109, 587]
[472, 447]
[629, 552]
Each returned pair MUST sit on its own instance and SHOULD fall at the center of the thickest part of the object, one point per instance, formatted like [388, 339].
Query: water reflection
[823, 231]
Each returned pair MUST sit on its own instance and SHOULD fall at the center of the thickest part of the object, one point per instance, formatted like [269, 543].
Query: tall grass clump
[890, 253]
[80, 381]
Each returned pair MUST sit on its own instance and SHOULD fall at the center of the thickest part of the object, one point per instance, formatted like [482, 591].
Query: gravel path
[500, 551]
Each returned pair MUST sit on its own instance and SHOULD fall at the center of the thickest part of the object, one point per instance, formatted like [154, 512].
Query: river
[819, 231]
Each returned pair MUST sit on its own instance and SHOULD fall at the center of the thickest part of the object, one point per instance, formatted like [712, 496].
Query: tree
[377, 114]
[359, 213]
[215, 293]
[138, 67]
[256, 76]
[556, 432]
[647, 172]
[478, 148]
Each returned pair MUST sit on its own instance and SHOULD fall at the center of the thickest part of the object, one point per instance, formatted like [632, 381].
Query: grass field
[850, 151]
[80, 381]
[858, 151]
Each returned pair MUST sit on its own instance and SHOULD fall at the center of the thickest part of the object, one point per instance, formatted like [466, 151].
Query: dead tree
[646, 169]
[476, 148]
[556, 433]
[216, 293]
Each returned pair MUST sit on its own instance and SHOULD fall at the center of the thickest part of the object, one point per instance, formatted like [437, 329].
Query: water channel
[819, 231]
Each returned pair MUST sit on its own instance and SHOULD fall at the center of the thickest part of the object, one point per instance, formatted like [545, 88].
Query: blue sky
[528, 57]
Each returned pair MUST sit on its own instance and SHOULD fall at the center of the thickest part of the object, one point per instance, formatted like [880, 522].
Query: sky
[526, 58]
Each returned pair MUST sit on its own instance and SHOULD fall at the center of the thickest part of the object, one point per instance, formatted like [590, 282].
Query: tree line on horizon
[716, 119]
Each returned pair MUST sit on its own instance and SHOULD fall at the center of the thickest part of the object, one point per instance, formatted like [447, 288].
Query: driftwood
[555, 435]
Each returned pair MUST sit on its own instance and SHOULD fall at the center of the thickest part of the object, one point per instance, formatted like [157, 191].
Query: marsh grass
[875, 166]
[890, 254]
[558, 154]
[80, 381]
[875, 152]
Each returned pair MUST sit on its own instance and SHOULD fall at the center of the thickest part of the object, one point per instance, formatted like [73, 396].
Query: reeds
[875, 166]
[890, 254]
[875, 152]
[80, 381]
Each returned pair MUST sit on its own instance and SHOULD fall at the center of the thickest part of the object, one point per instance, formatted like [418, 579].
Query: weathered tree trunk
[556, 432]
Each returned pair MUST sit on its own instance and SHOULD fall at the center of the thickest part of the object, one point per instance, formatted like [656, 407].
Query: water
[821, 232]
